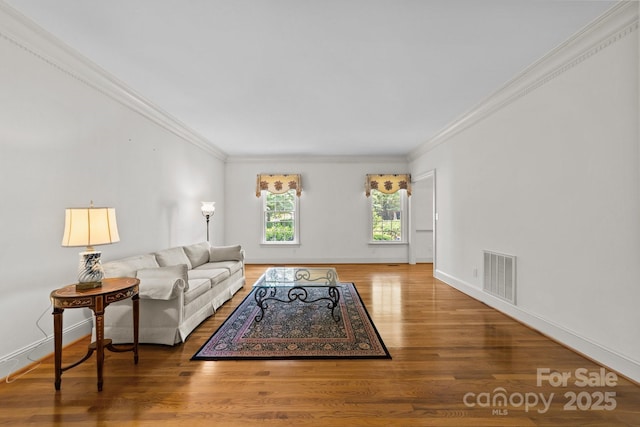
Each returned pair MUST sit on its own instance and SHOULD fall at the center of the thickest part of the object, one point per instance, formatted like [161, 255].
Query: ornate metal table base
[295, 293]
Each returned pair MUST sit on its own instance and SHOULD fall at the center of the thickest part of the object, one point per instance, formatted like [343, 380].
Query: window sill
[387, 242]
[282, 244]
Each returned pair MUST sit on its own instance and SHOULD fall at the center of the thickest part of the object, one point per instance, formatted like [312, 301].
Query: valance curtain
[278, 184]
[389, 183]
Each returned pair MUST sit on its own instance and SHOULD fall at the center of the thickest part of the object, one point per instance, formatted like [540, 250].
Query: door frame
[412, 232]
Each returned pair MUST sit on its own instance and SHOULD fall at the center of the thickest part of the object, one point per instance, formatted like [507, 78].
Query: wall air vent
[500, 276]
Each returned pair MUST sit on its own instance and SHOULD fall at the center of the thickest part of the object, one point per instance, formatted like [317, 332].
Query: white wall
[334, 211]
[62, 144]
[552, 175]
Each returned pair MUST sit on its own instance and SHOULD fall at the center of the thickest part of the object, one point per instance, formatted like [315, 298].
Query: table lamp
[90, 227]
[208, 209]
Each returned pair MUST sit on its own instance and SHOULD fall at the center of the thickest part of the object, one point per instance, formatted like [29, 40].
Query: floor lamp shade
[208, 209]
[90, 227]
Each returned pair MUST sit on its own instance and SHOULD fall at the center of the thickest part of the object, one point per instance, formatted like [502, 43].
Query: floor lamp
[208, 208]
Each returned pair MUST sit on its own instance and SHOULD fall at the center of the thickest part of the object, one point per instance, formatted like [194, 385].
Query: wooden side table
[97, 299]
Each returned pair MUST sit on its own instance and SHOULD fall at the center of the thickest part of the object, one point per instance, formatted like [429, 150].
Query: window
[280, 194]
[388, 195]
[388, 216]
[280, 217]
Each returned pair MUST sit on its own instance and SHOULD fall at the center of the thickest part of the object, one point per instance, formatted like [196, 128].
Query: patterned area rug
[297, 330]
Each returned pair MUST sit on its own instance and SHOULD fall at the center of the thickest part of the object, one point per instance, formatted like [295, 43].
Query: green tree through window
[387, 216]
[280, 217]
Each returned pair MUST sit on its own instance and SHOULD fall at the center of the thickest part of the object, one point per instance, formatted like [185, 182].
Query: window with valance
[280, 207]
[388, 206]
[388, 183]
[278, 183]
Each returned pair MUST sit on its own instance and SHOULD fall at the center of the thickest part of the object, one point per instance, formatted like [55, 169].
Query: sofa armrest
[226, 253]
[161, 289]
[163, 283]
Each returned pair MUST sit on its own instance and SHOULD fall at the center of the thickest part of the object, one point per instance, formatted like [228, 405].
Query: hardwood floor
[452, 356]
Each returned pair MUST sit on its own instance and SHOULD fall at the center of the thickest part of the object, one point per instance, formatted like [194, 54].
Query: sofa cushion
[197, 287]
[215, 275]
[198, 253]
[225, 253]
[232, 266]
[163, 283]
[173, 256]
[127, 267]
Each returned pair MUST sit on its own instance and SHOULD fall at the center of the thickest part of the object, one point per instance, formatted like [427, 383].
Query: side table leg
[136, 324]
[99, 346]
[57, 340]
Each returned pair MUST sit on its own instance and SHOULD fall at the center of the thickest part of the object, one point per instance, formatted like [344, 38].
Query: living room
[547, 169]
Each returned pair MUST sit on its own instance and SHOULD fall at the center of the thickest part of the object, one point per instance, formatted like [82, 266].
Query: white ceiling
[314, 77]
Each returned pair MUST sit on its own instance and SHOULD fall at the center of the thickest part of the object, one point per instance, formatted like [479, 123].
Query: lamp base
[88, 285]
[90, 272]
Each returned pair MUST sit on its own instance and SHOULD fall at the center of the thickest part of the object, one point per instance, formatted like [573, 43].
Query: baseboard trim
[300, 261]
[22, 358]
[596, 352]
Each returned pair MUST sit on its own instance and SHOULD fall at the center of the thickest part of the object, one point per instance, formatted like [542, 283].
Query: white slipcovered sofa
[179, 288]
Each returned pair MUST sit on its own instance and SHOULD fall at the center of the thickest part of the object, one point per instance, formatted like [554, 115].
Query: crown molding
[24, 33]
[615, 24]
[316, 159]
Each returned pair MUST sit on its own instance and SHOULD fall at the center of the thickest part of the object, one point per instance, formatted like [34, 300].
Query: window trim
[404, 232]
[296, 221]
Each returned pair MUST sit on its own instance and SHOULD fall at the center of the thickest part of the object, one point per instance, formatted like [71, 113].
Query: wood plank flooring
[453, 360]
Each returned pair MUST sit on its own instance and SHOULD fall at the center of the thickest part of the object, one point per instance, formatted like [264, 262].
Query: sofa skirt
[167, 322]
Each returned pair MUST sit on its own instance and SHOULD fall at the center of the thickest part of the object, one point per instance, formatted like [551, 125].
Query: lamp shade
[90, 227]
[208, 208]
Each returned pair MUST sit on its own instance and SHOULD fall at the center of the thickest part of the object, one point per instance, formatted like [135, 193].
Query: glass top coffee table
[289, 284]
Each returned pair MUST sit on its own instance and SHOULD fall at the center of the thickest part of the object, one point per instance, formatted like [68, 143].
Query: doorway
[422, 247]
